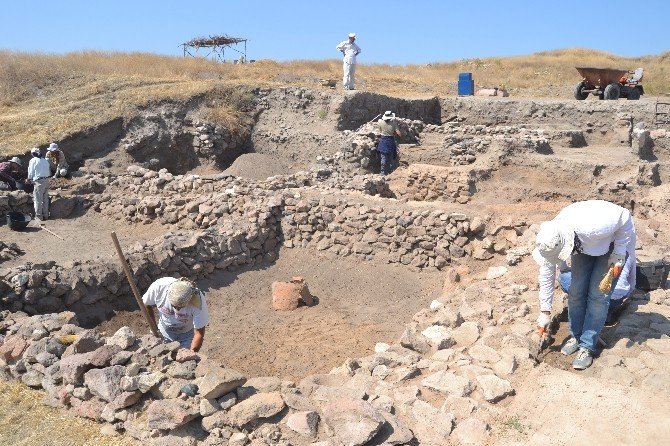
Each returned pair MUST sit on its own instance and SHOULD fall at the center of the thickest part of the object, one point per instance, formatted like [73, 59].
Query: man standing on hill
[350, 51]
[39, 173]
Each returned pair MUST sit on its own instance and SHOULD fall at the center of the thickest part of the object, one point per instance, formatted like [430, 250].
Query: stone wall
[359, 108]
[423, 182]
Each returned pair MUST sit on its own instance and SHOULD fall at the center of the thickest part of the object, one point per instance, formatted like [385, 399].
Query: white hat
[16, 160]
[35, 151]
[182, 293]
[352, 35]
[388, 115]
[53, 147]
[554, 243]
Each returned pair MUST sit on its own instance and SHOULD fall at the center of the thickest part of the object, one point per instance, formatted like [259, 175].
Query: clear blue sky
[395, 32]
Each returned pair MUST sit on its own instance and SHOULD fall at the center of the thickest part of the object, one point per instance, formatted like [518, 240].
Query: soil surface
[258, 166]
[25, 421]
[359, 304]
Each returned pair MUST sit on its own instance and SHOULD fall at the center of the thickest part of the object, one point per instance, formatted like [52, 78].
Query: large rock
[219, 381]
[304, 423]
[471, 431]
[73, 368]
[448, 383]
[354, 421]
[394, 431]
[170, 414]
[258, 384]
[494, 388]
[87, 341]
[105, 383]
[466, 334]
[439, 336]
[124, 338]
[432, 426]
[12, 348]
[261, 405]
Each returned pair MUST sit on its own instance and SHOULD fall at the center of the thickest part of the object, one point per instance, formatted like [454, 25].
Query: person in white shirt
[350, 51]
[182, 311]
[595, 234]
[57, 161]
[39, 172]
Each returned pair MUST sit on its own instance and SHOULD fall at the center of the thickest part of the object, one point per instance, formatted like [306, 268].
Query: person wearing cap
[387, 150]
[38, 174]
[350, 51]
[595, 235]
[10, 172]
[182, 311]
[57, 161]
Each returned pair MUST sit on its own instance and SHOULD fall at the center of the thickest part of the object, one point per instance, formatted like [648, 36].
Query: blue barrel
[466, 88]
[464, 76]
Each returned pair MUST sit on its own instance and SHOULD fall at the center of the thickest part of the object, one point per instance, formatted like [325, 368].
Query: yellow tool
[613, 272]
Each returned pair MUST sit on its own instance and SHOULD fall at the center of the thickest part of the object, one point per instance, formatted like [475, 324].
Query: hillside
[47, 97]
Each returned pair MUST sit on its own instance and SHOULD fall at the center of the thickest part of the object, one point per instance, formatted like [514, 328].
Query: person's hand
[543, 320]
[616, 259]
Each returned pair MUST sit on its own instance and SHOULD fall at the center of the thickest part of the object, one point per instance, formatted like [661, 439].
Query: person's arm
[546, 279]
[340, 47]
[198, 337]
[358, 49]
[623, 235]
[31, 169]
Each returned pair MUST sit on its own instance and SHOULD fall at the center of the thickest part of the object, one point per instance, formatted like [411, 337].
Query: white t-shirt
[171, 319]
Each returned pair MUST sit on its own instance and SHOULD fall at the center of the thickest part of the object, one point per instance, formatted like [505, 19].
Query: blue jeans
[587, 305]
[184, 339]
[387, 160]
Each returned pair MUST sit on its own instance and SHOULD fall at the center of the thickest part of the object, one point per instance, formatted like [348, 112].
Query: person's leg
[345, 76]
[352, 75]
[582, 265]
[384, 163]
[596, 307]
[45, 200]
[38, 198]
[564, 280]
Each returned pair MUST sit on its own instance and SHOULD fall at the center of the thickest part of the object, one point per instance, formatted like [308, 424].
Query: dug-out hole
[359, 304]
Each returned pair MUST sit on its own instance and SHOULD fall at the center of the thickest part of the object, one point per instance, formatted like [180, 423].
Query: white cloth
[597, 224]
[350, 50]
[348, 77]
[41, 198]
[171, 319]
[38, 168]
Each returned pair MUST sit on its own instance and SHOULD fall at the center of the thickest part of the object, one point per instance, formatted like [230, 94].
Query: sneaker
[570, 347]
[583, 360]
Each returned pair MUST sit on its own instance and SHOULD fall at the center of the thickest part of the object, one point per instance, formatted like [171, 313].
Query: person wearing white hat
[38, 174]
[387, 149]
[10, 172]
[350, 51]
[595, 235]
[182, 311]
[57, 161]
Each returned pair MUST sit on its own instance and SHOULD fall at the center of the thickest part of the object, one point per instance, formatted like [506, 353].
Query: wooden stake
[51, 232]
[136, 293]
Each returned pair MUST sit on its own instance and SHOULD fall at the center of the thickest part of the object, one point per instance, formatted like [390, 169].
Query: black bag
[652, 275]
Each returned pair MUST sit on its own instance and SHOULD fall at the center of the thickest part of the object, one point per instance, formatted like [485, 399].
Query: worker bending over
[182, 311]
[38, 175]
[57, 161]
[596, 235]
[10, 172]
[387, 149]
[350, 51]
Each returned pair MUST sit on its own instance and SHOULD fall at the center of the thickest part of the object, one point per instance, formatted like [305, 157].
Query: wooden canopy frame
[215, 46]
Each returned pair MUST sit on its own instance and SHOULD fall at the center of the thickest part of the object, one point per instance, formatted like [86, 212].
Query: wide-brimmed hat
[554, 243]
[53, 147]
[182, 293]
[352, 35]
[35, 151]
[16, 160]
[388, 115]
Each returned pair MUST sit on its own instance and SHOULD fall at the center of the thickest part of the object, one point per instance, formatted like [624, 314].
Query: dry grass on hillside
[46, 97]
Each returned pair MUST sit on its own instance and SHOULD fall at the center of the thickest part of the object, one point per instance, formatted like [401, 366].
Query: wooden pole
[136, 293]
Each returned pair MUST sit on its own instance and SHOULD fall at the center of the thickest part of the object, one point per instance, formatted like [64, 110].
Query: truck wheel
[612, 91]
[579, 94]
[633, 94]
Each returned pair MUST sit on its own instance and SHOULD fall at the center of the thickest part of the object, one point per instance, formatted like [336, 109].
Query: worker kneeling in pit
[598, 236]
[182, 311]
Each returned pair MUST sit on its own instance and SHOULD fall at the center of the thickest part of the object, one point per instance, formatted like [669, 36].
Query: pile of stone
[9, 251]
[423, 182]
[462, 352]
[418, 238]
[213, 141]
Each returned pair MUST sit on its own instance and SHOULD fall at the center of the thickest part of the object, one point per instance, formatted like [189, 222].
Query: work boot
[570, 347]
[583, 360]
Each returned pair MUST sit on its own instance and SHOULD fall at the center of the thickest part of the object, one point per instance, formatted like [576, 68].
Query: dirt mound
[257, 166]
